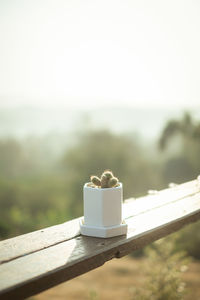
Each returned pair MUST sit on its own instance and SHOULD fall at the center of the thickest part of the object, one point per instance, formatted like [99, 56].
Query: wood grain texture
[72, 254]
[38, 240]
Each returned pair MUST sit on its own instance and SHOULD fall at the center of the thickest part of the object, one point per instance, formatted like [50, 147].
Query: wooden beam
[41, 239]
[37, 261]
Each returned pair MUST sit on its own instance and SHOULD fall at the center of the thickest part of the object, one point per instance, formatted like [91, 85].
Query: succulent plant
[107, 180]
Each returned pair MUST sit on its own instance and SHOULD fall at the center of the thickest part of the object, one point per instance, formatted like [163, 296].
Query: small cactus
[95, 180]
[108, 174]
[107, 180]
[112, 182]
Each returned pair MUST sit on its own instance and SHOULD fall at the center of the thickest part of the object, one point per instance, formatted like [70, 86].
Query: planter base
[103, 232]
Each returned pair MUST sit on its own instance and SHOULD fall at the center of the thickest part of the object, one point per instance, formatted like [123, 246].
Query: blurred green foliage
[96, 151]
[163, 272]
[180, 139]
[38, 189]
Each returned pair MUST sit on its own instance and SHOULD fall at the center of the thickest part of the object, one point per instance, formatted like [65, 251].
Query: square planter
[103, 212]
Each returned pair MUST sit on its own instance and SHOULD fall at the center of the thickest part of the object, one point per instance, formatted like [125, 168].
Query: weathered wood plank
[25, 276]
[37, 240]
[28, 243]
[160, 198]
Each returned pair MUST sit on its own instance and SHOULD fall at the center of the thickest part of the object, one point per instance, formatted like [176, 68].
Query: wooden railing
[36, 261]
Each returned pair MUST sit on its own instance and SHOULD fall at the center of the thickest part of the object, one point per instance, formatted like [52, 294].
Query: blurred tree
[185, 127]
[96, 151]
[163, 270]
[188, 240]
[11, 158]
[185, 164]
[31, 196]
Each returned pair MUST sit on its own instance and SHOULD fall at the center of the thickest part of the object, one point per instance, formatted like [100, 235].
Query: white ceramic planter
[103, 212]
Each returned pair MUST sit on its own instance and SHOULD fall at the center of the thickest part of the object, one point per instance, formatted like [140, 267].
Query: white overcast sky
[86, 53]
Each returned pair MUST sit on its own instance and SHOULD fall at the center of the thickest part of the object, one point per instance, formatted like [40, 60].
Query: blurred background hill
[20, 121]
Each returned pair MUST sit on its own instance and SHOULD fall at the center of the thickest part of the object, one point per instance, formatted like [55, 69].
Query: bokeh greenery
[38, 189]
[163, 272]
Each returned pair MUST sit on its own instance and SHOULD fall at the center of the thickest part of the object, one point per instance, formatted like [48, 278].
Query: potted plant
[103, 207]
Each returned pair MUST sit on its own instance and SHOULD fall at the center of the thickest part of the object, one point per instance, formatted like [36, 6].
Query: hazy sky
[87, 53]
